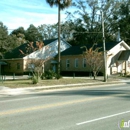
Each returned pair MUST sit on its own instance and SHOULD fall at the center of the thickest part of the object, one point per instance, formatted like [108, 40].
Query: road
[96, 108]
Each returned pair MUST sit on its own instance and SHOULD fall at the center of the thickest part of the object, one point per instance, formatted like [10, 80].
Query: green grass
[28, 83]
[21, 83]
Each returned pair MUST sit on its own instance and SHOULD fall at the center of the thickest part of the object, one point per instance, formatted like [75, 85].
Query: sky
[22, 13]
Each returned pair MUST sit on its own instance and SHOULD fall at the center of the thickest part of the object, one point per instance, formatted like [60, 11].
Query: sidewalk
[18, 91]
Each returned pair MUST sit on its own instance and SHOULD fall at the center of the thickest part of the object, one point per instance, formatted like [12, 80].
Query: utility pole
[104, 49]
[59, 32]
[0, 73]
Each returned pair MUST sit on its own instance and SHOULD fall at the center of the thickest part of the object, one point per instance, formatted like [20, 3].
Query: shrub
[58, 76]
[34, 79]
[48, 75]
[43, 76]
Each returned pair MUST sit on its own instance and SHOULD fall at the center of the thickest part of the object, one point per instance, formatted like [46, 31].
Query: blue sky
[22, 13]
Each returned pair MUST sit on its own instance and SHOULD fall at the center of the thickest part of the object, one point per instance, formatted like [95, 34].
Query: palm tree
[62, 4]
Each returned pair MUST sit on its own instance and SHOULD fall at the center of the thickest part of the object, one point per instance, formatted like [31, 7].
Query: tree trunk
[94, 75]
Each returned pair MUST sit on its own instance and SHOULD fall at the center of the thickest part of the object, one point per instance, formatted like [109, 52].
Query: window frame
[84, 62]
[67, 63]
[18, 66]
[9, 65]
[76, 62]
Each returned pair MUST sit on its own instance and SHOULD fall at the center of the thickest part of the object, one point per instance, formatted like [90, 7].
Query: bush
[34, 79]
[58, 76]
[43, 76]
[48, 75]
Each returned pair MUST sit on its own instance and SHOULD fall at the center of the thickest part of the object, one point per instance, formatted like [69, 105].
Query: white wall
[111, 53]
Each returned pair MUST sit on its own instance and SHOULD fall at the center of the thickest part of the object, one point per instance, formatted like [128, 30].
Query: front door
[54, 67]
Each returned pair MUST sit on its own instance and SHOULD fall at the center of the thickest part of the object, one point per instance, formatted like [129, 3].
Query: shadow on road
[117, 93]
[95, 92]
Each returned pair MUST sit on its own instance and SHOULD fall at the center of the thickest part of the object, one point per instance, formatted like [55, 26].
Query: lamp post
[104, 49]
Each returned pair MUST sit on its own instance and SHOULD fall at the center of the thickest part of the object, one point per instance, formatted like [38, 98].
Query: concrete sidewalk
[17, 91]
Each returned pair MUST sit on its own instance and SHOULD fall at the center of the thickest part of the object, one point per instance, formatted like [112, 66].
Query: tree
[124, 19]
[94, 58]
[3, 38]
[87, 25]
[20, 34]
[18, 30]
[7, 42]
[67, 28]
[48, 31]
[12, 41]
[88, 20]
[34, 65]
[62, 4]
[32, 34]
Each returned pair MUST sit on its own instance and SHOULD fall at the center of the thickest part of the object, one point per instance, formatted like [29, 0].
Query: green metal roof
[124, 56]
[76, 50]
[15, 53]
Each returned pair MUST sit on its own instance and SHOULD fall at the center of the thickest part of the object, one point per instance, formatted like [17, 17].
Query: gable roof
[76, 50]
[15, 53]
[73, 50]
[124, 56]
[108, 45]
[120, 56]
[46, 42]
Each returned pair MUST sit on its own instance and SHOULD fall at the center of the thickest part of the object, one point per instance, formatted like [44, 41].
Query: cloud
[24, 19]
[22, 13]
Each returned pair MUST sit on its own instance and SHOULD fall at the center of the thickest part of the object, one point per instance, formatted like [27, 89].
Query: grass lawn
[25, 82]
[20, 83]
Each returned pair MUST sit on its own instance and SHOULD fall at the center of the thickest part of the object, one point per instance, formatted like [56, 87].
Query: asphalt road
[99, 108]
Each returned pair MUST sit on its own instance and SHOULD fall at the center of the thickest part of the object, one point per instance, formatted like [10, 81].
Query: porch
[120, 63]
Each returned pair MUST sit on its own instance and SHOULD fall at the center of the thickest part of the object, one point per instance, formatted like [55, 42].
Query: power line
[87, 32]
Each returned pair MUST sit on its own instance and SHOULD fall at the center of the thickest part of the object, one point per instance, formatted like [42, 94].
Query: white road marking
[101, 118]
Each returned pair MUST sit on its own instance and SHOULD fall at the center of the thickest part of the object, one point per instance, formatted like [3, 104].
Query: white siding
[111, 53]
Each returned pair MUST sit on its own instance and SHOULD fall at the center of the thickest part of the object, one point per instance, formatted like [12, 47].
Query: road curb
[19, 91]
